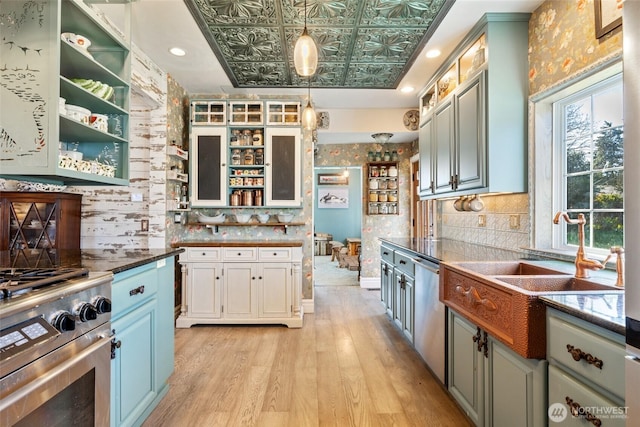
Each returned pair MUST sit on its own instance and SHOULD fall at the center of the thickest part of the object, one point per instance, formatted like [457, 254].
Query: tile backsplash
[506, 222]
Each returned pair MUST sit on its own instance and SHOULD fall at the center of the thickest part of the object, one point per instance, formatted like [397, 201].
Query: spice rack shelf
[382, 188]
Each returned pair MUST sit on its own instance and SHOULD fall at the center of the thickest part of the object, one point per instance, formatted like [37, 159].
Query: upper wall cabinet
[238, 161]
[473, 113]
[65, 95]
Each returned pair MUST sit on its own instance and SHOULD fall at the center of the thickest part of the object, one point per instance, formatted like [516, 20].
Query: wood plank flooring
[348, 366]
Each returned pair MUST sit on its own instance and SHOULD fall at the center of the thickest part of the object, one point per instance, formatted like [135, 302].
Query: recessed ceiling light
[433, 53]
[407, 89]
[177, 51]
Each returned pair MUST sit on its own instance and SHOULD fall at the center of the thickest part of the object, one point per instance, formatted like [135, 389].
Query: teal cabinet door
[517, 388]
[443, 148]
[165, 324]
[466, 367]
[425, 143]
[386, 286]
[470, 151]
[408, 301]
[132, 376]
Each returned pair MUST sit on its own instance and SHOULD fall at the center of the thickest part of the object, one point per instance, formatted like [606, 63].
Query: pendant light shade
[309, 119]
[305, 53]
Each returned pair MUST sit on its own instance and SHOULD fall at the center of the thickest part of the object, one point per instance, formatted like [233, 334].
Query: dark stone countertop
[605, 309]
[113, 260]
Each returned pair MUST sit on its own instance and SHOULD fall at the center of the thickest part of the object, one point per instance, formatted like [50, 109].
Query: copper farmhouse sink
[503, 299]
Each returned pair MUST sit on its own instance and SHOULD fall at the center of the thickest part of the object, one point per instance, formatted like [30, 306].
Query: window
[588, 178]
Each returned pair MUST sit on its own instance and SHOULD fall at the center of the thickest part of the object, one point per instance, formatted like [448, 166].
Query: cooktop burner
[20, 280]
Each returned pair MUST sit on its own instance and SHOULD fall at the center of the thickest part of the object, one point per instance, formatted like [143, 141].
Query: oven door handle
[30, 390]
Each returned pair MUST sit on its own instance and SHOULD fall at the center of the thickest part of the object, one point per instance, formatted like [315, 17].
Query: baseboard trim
[308, 305]
[370, 282]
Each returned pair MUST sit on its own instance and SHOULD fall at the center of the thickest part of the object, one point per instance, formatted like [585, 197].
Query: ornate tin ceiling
[361, 43]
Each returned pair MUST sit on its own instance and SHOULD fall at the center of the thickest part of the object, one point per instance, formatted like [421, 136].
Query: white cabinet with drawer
[241, 285]
[586, 371]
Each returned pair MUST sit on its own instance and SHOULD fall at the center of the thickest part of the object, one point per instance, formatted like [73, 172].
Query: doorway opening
[337, 220]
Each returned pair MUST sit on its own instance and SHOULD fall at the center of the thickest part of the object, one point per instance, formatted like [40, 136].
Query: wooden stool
[353, 243]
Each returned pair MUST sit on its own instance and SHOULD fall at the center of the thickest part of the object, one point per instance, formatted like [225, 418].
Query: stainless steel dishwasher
[430, 318]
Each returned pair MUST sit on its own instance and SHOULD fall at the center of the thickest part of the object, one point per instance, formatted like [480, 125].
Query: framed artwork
[608, 14]
[332, 179]
[333, 198]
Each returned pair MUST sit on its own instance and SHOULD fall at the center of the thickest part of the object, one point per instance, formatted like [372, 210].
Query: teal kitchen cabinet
[492, 384]
[586, 371]
[386, 278]
[404, 293]
[473, 137]
[47, 107]
[143, 346]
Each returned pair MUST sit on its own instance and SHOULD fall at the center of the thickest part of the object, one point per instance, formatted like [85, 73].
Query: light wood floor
[348, 366]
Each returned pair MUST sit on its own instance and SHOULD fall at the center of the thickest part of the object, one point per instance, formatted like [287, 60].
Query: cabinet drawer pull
[402, 262]
[385, 253]
[578, 354]
[578, 411]
[473, 296]
[136, 291]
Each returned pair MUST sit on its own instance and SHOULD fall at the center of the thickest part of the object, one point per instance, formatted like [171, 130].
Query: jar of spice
[235, 137]
[383, 171]
[236, 157]
[249, 157]
[259, 156]
[373, 172]
[373, 196]
[257, 137]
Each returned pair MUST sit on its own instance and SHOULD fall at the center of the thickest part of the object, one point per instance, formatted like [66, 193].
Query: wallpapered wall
[562, 43]
[374, 226]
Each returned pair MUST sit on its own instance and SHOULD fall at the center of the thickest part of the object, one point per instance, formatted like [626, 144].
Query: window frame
[560, 154]
[543, 159]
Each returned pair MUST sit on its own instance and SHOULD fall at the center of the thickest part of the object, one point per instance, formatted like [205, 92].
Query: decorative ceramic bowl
[243, 218]
[285, 217]
[80, 114]
[204, 219]
[263, 218]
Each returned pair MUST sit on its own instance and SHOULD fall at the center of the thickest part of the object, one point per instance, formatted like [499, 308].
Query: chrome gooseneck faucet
[583, 264]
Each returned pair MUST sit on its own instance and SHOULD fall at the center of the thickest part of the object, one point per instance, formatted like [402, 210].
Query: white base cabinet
[492, 384]
[241, 285]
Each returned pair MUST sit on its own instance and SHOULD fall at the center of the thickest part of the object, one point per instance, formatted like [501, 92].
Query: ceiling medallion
[411, 119]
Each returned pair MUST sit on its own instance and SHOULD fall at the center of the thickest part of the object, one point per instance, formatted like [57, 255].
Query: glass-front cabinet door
[209, 165]
[283, 167]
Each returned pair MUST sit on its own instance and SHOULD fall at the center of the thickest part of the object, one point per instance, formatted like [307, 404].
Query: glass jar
[383, 184]
[387, 156]
[236, 157]
[370, 156]
[257, 137]
[393, 171]
[382, 197]
[373, 196]
[373, 208]
[373, 184]
[394, 156]
[378, 156]
[259, 156]
[374, 172]
[235, 137]
[249, 157]
[247, 137]
[384, 209]
[383, 171]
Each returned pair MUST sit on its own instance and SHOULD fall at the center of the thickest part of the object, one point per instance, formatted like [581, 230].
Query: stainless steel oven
[55, 348]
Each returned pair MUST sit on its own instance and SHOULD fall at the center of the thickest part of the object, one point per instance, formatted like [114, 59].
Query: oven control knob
[102, 304]
[64, 321]
[86, 312]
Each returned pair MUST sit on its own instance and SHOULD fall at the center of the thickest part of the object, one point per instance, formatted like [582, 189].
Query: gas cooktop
[15, 281]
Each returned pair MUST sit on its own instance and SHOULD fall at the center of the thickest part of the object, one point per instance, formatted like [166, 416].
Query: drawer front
[274, 254]
[133, 289]
[239, 254]
[565, 390]
[404, 263]
[203, 254]
[587, 345]
[386, 254]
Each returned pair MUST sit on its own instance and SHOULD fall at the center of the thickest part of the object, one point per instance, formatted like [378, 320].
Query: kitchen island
[241, 282]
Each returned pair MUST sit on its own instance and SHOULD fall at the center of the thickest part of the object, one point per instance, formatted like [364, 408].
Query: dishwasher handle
[428, 265]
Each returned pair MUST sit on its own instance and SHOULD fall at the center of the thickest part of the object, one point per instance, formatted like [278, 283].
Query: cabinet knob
[239, 253]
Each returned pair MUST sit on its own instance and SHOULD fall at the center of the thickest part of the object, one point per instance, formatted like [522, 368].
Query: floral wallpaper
[374, 226]
[562, 41]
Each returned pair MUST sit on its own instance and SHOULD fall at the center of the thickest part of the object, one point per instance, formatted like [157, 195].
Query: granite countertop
[602, 309]
[113, 260]
[605, 309]
[237, 243]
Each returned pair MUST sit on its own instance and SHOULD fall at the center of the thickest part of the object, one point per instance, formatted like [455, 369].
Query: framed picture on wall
[608, 14]
[333, 198]
[333, 179]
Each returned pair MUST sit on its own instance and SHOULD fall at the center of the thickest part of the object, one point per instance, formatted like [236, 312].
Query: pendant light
[305, 53]
[309, 120]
